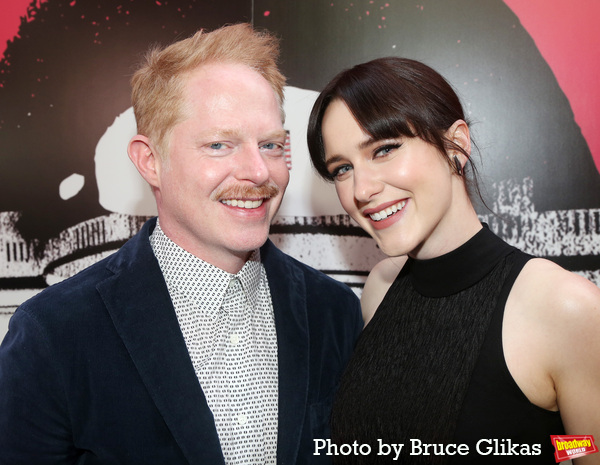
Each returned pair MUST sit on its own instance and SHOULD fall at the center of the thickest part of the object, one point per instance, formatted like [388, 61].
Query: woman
[467, 340]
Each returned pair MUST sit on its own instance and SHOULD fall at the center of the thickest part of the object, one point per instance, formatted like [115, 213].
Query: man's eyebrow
[226, 134]
[236, 134]
[279, 134]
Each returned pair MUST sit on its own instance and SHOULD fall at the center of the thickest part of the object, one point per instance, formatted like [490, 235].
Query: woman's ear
[459, 134]
[144, 158]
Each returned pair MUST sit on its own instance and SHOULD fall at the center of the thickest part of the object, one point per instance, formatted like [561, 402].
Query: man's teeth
[243, 203]
[383, 214]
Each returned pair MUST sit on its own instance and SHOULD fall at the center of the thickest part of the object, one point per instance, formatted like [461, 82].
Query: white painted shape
[120, 186]
[70, 186]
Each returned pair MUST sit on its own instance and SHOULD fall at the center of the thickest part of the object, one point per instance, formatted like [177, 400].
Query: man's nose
[252, 166]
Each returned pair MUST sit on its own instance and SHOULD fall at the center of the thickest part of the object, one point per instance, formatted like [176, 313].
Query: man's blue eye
[216, 145]
[272, 146]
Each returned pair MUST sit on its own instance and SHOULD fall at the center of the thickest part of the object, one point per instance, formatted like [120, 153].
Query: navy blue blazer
[95, 370]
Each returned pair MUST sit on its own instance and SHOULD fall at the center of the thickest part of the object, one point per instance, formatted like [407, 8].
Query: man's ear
[143, 156]
[460, 135]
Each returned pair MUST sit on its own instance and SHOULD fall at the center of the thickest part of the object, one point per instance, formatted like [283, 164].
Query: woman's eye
[340, 171]
[385, 150]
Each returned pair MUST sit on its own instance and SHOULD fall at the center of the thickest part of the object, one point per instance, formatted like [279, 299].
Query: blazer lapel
[140, 307]
[288, 294]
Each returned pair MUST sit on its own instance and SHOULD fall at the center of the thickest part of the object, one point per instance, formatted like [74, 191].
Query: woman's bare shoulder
[548, 286]
[563, 309]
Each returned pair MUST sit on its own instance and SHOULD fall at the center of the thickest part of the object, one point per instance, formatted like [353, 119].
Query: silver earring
[458, 166]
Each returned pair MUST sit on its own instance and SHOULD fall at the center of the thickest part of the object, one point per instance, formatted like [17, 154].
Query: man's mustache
[265, 191]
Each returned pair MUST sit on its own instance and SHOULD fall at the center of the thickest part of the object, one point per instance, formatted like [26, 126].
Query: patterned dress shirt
[228, 326]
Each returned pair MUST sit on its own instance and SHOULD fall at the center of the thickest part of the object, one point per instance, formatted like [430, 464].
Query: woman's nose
[366, 183]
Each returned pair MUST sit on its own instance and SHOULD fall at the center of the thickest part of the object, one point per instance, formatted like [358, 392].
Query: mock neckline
[459, 269]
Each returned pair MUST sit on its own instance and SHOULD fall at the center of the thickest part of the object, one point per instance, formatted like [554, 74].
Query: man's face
[225, 174]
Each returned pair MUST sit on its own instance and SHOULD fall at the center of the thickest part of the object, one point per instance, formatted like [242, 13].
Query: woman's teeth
[243, 203]
[383, 214]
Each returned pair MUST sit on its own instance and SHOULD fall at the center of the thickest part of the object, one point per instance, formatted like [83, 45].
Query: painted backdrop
[525, 69]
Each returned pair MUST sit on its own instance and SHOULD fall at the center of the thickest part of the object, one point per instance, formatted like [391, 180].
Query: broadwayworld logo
[571, 447]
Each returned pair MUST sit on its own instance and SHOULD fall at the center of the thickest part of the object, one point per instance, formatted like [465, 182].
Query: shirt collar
[199, 281]
[250, 276]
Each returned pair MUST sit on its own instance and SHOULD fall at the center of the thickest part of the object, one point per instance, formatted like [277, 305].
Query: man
[198, 342]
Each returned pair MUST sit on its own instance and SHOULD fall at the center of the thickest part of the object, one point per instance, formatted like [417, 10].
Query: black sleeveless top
[430, 367]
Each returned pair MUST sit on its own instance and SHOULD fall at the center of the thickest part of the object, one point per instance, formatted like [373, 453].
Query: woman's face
[398, 190]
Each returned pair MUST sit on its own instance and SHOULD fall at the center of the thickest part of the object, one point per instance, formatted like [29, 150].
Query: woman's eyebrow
[334, 159]
[367, 143]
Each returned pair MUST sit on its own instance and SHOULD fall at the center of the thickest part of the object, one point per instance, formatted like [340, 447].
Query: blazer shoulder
[75, 288]
[80, 290]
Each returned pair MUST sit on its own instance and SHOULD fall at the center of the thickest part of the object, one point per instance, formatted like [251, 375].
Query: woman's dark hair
[391, 97]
